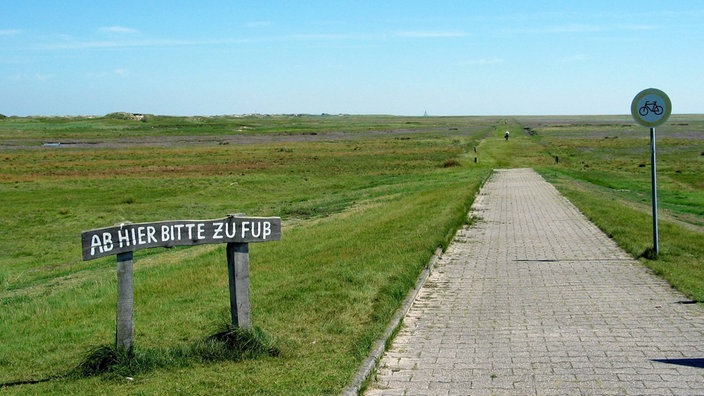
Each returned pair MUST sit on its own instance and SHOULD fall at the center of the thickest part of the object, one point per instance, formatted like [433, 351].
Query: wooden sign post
[238, 270]
[122, 240]
[124, 330]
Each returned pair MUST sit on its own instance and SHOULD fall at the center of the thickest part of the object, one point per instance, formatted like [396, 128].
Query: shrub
[121, 115]
[228, 343]
[450, 163]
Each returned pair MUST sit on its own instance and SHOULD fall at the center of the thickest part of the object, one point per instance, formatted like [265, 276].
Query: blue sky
[360, 57]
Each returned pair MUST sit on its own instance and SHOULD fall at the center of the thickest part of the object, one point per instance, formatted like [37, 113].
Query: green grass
[604, 170]
[37, 130]
[364, 205]
[362, 215]
[229, 343]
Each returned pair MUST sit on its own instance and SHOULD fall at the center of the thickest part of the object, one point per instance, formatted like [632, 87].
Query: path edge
[371, 362]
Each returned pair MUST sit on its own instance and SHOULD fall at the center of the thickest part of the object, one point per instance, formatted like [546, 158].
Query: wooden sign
[129, 237]
[122, 240]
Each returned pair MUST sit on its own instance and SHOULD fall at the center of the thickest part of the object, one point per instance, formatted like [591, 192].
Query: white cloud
[118, 30]
[430, 34]
[586, 28]
[481, 62]
[576, 28]
[10, 32]
[258, 24]
[104, 74]
[575, 58]
[31, 77]
[326, 37]
[637, 27]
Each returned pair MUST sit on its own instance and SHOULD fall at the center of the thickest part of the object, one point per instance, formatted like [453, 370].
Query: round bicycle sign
[651, 107]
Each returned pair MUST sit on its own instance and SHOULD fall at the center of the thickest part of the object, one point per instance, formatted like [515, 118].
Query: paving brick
[533, 299]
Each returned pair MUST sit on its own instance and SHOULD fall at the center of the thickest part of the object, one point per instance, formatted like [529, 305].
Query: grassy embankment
[362, 216]
[604, 169]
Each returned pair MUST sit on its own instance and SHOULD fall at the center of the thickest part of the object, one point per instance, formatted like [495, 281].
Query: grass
[362, 215]
[227, 344]
[604, 169]
[16, 131]
[365, 201]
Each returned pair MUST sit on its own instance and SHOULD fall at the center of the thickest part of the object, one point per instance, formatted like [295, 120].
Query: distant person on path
[506, 135]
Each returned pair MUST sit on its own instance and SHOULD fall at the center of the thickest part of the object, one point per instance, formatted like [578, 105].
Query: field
[605, 170]
[364, 200]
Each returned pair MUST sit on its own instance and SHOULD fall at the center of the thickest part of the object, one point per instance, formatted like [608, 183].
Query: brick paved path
[534, 300]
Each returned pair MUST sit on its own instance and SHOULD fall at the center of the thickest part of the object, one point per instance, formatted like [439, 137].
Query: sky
[467, 57]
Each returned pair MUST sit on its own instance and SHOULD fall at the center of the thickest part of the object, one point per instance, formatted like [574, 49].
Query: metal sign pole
[652, 107]
[654, 183]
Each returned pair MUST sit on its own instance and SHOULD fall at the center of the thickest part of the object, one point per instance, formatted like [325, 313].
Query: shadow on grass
[649, 254]
[229, 343]
[30, 382]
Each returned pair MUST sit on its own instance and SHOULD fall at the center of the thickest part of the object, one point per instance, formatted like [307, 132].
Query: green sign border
[651, 91]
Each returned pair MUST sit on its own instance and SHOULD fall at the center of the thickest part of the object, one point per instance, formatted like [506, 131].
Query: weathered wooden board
[129, 237]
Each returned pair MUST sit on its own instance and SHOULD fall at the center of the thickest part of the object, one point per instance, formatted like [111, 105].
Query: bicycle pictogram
[650, 106]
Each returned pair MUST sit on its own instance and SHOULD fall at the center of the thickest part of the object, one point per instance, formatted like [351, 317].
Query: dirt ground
[167, 141]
